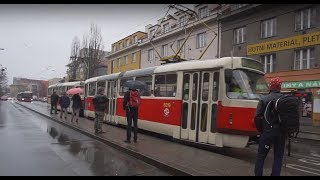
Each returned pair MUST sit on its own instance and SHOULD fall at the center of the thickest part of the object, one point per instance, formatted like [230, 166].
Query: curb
[161, 165]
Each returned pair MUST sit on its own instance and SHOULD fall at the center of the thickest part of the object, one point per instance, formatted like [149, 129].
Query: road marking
[307, 157]
[315, 154]
[303, 169]
[310, 161]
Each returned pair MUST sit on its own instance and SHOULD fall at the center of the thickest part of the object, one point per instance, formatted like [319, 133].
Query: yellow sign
[283, 44]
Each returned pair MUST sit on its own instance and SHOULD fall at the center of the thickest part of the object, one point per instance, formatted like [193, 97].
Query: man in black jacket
[100, 105]
[269, 134]
[54, 100]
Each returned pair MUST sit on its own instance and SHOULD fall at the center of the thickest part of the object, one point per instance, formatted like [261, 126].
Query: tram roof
[140, 72]
[91, 80]
[196, 64]
[66, 84]
[108, 77]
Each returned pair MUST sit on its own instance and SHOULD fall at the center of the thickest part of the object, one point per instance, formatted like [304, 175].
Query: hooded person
[269, 135]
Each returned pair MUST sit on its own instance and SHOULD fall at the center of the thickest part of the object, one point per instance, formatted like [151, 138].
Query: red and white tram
[209, 102]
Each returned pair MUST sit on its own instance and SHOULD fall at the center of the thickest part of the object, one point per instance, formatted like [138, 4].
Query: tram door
[112, 97]
[200, 97]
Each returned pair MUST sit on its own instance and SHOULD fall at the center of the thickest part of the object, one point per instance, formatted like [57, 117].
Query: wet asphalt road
[34, 145]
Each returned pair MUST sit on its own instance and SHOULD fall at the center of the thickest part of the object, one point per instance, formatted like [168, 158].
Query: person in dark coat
[64, 104]
[76, 106]
[100, 102]
[132, 115]
[269, 135]
[54, 100]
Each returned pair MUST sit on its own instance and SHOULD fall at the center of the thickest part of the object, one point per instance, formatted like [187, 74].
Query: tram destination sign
[301, 84]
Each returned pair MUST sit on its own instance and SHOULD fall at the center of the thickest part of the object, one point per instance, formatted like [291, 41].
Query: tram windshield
[246, 84]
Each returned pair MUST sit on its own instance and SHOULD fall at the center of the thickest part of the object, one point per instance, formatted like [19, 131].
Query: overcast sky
[37, 38]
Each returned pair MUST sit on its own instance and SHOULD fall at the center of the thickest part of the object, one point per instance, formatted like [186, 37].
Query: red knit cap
[275, 83]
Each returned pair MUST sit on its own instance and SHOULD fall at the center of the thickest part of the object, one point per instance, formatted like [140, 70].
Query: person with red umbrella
[76, 101]
[76, 106]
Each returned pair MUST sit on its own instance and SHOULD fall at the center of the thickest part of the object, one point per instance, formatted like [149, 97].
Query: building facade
[171, 34]
[285, 39]
[125, 54]
[37, 87]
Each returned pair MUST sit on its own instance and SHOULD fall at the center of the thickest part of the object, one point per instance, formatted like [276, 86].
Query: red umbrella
[75, 91]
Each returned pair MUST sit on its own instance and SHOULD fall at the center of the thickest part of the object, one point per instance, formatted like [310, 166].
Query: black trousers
[132, 115]
[55, 107]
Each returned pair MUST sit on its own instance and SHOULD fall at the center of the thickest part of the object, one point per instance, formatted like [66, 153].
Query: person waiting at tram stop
[269, 136]
[100, 102]
[76, 106]
[54, 100]
[131, 105]
[64, 102]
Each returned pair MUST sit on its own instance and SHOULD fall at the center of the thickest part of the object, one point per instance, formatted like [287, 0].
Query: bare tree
[3, 80]
[92, 53]
[74, 61]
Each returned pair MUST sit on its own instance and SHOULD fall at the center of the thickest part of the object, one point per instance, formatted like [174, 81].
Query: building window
[305, 19]
[134, 57]
[201, 40]
[304, 58]
[127, 42]
[164, 50]
[182, 21]
[119, 62]
[121, 45]
[166, 28]
[113, 64]
[135, 39]
[179, 44]
[152, 33]
[126, 59]
[269, 62]
[203, 12]
[239, 35]
[269, 28]
[150, 54]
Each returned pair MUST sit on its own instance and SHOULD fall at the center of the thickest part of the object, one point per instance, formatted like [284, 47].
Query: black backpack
[285, 112]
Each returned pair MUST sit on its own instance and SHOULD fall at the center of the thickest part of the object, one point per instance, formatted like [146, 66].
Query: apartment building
[171, 33]
[285, 38]
[126, 53]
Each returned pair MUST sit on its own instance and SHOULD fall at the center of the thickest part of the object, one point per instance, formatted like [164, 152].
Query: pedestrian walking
[76, 106]
[131, 105]
[270, 133]
[64, 104]
[54, 100]
[100, 102]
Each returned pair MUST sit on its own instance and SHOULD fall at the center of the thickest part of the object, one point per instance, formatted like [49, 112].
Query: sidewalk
[177, 158]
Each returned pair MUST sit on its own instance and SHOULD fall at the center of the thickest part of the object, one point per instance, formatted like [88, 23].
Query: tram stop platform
[177, 158]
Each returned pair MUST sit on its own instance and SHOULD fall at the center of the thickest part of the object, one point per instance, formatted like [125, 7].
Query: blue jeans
[267, 139]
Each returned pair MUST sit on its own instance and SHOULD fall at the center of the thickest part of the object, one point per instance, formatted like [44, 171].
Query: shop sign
[301, 84]
[285, 43]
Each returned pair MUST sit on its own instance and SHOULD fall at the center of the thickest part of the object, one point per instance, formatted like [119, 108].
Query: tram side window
[102, 84]
[123, 89]
[148, 81]
[215, 86]
[86, 89]
[61, 89]
[165, 85]
[92, 89]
